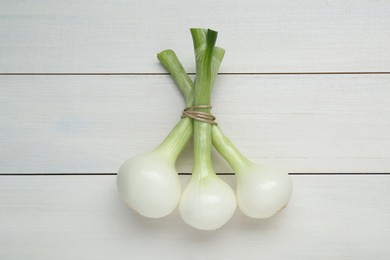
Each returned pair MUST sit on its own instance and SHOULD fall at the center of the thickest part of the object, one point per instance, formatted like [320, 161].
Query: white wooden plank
[81, 217]
[259, 36]
[328, 123]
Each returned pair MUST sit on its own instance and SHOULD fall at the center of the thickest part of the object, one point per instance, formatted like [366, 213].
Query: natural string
[199, 115]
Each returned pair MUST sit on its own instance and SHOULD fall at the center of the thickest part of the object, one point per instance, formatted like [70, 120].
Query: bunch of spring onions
[149, 183]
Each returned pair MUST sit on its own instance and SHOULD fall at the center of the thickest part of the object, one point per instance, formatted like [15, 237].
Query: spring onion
[207, 203]
[149, 183]
[262, 190]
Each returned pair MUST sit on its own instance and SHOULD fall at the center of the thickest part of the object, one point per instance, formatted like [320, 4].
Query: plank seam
[186, 173]
[222, 73]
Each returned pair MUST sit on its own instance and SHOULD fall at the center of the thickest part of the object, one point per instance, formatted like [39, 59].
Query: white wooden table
[79, 86]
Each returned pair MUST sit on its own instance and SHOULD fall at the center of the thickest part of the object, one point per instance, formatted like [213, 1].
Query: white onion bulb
[262, 191]
[149, 184]
[207, 204]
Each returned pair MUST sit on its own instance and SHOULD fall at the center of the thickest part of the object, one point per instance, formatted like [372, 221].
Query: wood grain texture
[259, 36]
[81, 217]
[79, 124]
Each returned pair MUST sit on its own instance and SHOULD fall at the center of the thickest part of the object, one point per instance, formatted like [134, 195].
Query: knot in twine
[199, 115]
